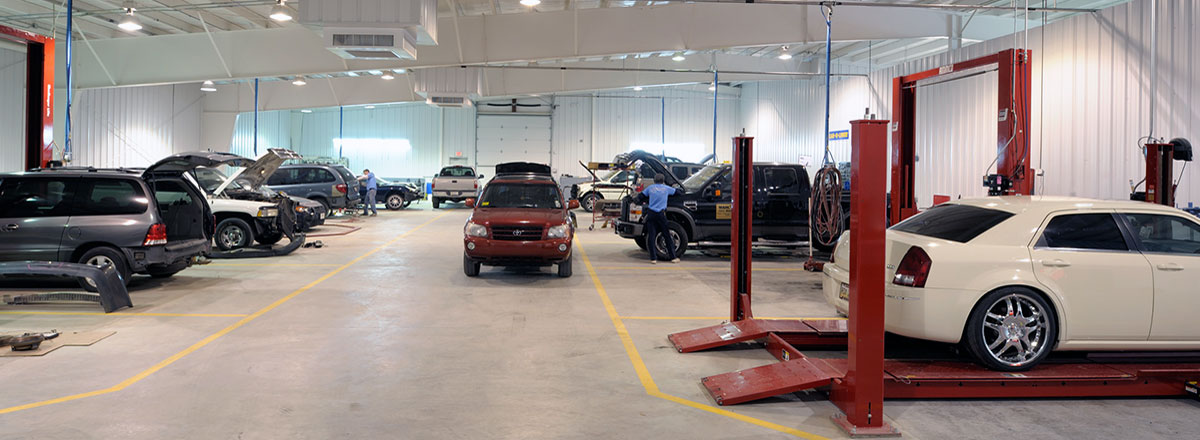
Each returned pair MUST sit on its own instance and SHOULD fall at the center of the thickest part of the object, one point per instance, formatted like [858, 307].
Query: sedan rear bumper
[923, 313]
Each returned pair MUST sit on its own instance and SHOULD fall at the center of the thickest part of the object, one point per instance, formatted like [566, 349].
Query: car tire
[564, 268]
[641, 242]
[1023, 314]
[269, 238]
[681, 240]
[325, 203]
[395, 202]
[588, 201]
[100, 256]
[233, 233]
[470, 267]
[437, 203]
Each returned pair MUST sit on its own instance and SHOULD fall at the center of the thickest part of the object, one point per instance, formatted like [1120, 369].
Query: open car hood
[184, 162]
[625, 160]
[256, 173]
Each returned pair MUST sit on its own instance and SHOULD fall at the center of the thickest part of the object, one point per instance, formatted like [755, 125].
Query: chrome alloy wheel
[1015, 330]
[232, 237]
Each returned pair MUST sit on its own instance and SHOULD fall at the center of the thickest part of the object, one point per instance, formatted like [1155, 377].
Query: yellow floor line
[276, 264]
[643, 373]
[826, 318]
[180, 355]
[189, 315]
[668, 266]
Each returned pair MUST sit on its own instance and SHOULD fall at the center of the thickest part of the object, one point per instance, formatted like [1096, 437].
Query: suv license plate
[844, 292]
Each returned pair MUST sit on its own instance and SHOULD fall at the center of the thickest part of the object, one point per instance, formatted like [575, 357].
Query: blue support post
[341, 128]
[70, 80]
[716, 77]
[828, 63]
[255, 117]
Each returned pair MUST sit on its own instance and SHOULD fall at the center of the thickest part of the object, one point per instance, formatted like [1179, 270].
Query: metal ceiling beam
[118, 11]
[857, 4]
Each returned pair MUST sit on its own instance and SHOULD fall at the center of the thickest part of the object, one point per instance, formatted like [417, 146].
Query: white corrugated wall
[12, 123]
[407, 140]
[597, 128]
[1091, 95]
[133, 127]
[786, 117]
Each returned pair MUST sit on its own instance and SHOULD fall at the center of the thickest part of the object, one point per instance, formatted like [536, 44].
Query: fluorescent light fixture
[299, 81]
[306, 111]
[400, 71]
[279, 12]
[130, 22]
[208, 86]
[637, 88]
[678, 56]
[388, 76]
[369, 107]
[712, 87]
[531, 3]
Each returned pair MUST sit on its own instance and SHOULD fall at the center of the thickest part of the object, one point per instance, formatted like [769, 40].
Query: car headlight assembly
[476, 230]
[268, 212]
[559, 231]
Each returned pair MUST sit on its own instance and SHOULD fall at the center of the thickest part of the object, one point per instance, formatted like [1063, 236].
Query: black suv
[701, 211]
[153, 222]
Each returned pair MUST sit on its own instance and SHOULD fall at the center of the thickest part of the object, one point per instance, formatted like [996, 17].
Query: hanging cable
[825, 205]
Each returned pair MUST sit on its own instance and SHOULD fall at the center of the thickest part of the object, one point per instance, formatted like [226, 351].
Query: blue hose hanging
[826, 221]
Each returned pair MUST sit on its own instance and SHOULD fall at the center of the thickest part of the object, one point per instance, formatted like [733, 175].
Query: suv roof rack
[518, 168]
[88, 169]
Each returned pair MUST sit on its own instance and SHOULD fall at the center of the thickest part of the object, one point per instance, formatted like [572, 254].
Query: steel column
[1013, 131]
[742, 223]
[860, 393]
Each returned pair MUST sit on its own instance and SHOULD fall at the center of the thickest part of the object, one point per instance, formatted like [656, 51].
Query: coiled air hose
[826, 208]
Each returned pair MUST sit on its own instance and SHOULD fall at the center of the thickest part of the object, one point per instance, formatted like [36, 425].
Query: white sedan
[1014, 278]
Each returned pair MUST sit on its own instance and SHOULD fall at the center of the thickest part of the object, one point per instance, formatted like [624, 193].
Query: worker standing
[656, 218]
[372, 186]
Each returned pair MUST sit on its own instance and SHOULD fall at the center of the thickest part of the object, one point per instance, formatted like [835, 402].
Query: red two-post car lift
[39, 95]
[859, 383]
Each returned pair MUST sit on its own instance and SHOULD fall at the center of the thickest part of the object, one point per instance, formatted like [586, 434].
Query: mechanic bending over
[372, 187]
[656, 219]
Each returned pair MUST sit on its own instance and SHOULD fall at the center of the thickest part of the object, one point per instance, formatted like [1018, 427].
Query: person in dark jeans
[368, 178]
[656, 218]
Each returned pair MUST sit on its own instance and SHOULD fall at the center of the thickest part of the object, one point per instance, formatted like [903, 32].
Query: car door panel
[1172, 246]
[784, 206]
[33, 217]
[713, 212]
[1103, 285]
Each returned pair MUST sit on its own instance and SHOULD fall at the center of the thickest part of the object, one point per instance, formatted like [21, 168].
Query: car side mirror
[712, 192]
[470, 203]
[573, 204]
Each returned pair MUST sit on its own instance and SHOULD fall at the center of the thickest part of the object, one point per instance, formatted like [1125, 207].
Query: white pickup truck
[455, 183]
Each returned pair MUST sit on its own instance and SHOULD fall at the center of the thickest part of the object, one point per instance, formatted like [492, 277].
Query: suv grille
[517, 233]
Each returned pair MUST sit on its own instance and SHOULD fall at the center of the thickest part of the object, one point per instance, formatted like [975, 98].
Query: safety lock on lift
[997, 184]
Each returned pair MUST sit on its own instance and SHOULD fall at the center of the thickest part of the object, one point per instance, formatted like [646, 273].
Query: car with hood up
[247, 185]
[241, 223]
[521, 219]
[152, 221]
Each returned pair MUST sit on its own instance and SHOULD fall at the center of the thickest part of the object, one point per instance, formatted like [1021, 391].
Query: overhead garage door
[510, 138]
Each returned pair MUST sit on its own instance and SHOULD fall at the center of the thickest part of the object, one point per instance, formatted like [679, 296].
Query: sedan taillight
[914, 268]
[157, 235]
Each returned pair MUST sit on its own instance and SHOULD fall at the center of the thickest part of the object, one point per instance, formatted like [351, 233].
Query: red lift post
[1013, 174]
[39, 95]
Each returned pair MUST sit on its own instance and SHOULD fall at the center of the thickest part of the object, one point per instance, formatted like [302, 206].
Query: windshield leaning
[696, 182]
[210, 179]
[516, 195]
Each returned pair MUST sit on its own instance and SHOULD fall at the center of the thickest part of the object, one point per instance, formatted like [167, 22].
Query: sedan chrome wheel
[1015, 329]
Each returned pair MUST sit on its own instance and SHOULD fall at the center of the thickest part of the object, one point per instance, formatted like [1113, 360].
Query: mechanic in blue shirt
[372, 186]
[656, 218]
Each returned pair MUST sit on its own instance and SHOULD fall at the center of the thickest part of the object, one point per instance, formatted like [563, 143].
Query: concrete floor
[380, 335]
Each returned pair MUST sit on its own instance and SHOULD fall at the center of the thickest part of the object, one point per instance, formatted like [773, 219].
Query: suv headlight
[559, 231]
[476, 230]
[268, 212]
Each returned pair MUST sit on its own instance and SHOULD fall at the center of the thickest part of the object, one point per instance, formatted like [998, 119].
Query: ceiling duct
[372, 29]
[448, 86]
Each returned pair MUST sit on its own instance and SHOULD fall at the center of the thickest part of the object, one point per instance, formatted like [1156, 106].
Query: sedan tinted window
[959, 223]
[25, 198]
[1083, 231]
[1165, 233]
[111, 197]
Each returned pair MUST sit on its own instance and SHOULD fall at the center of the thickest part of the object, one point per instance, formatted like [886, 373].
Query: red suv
[521, 219]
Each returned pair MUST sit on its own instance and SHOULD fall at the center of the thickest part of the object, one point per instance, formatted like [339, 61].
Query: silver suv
[154, 222]
[331, 185]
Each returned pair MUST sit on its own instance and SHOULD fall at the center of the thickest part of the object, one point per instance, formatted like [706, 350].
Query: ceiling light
[370, 107]
[279, 12]
[678, 57]
[299, 81]
[637, 88]
[129, 22]
[785, 55]
[531, 3]
[306, 111]
[208, 86]
[712, 87]
[400, 71]
[388, 76]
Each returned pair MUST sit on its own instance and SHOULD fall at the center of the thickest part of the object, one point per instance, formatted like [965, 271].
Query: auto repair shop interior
[582, 219]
